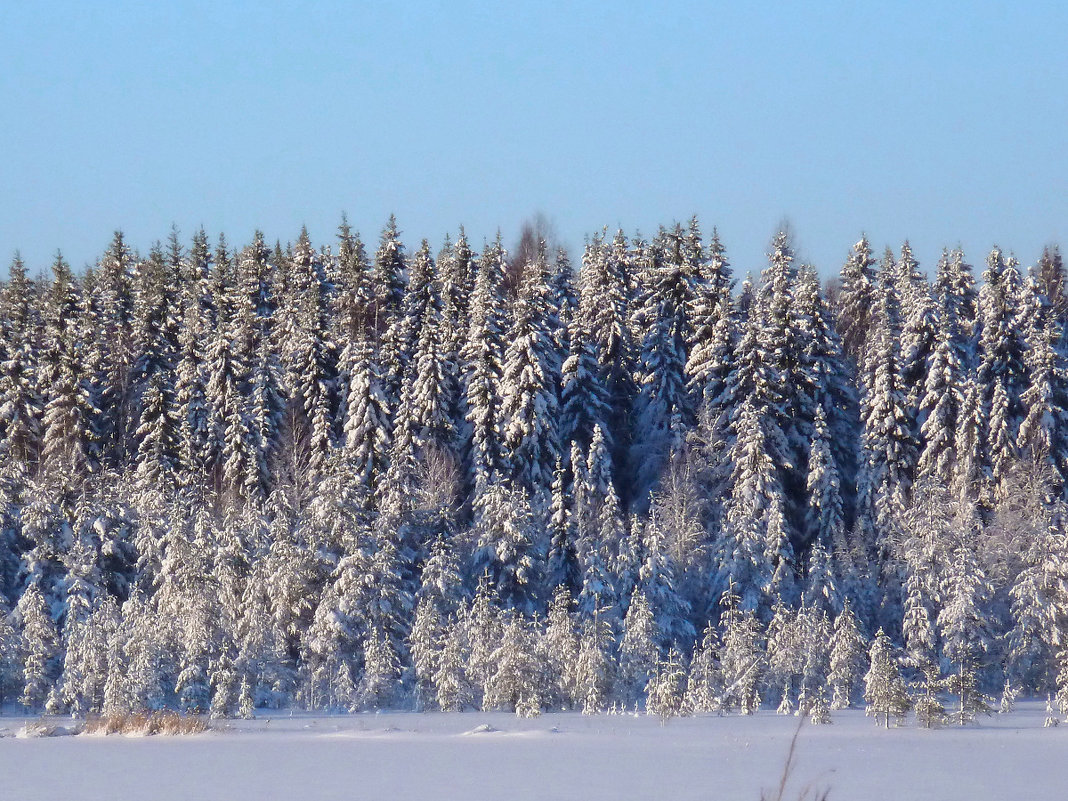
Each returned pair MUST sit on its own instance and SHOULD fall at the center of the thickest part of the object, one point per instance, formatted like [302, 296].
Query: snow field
[472, 756]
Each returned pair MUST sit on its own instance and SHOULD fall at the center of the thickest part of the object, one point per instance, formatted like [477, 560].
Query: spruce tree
[965, 631]
[20, 400]
[638, 650]
[849, 653]
[529, 389]
[40, 647]
[483, 358]
[884, 689]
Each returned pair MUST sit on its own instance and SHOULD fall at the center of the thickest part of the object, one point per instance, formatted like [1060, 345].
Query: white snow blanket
[471, 756]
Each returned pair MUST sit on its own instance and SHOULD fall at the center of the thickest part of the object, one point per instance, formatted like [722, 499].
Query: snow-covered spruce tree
[327, 654]
[441, 578]
[425, 644]
[662, 405]
[82, 648]
[40, 647]
[604, 301]
[848, 659]
[70, 416]
[665, 692]
[517, 680]
[368, 424]
[192, 413]
[420, 302]
[482, 357]
[857, 300]
[926, 541]
[10, 663]
[940, 407]
[61, 305]
[261, 661]
[972, 471]
[638, 649]
[965, 631]
[381, 669]
[711, 342]
[1001, 372]
[114, 337]
[884, 689]
[889, 447]
[452, 685]
[510, 548]
[1039, 597]
[601, 529]
[742, 656]
[595, 670]
[658, 579]
[308, 360]
[785, 656]
[1041, 436]
[430, 393]
[919, 338]
[455, 266]
[584, 399]
[156, 435]
[954, 288]
[529, 389]
[704, 683]
[754, 550]
[821, 381]
[483, 630]
[824, 520]
[21, 403]
[562, 565]
[559, 650]
[388, 284]
[815, 632]
[453, 688]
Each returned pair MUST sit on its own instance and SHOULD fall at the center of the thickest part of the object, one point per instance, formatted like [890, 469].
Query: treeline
[234, 478]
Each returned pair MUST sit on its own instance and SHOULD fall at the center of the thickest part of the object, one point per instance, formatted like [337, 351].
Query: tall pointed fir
[1039, 607]
[584, 399]
[482, 357]
[309, 363]
[1001, 372]
[662, 405]
[529, 386]
[604, 299]
[70, 413]
[857, 300]
[367, 418]
[429, 395]
[965, 631]
[191, 402]
[1042, 433]
[710, 338]
[21, 404]
[114, 336]
[388, 279]
[824, 520]
[884, 689]
[940, 406]
[754, 548]
[887, 440]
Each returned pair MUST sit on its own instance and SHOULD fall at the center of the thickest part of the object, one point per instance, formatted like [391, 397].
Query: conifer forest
[356, 476]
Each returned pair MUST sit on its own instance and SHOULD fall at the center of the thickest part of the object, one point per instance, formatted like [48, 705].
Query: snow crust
[557, 756]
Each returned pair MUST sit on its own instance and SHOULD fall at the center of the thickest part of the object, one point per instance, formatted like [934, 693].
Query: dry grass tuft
[145, 724]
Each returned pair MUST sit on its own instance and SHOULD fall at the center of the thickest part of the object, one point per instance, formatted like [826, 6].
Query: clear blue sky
[943, 123]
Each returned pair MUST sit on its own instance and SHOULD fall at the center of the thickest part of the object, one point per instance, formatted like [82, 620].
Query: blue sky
[943, 123]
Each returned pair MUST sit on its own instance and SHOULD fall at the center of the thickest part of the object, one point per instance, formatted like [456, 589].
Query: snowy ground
[560, 756]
